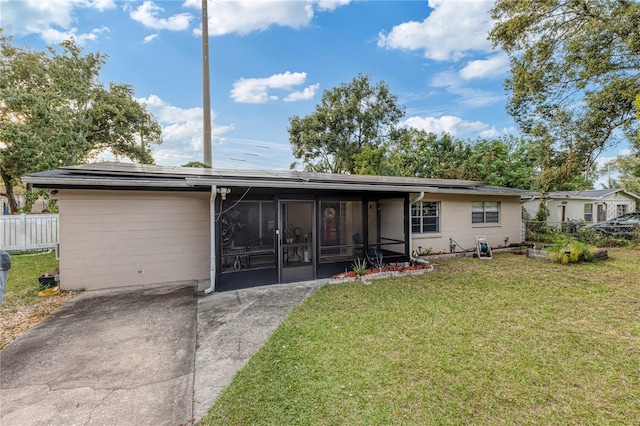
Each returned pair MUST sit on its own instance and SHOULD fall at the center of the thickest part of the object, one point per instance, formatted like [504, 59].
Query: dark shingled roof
[128, 175]
[588, 194]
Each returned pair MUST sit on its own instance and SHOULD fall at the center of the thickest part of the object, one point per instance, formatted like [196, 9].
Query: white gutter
[212, 242]
[270, 184]
[51, 181]
[412, 202]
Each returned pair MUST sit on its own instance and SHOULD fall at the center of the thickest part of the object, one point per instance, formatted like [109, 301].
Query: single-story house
[40, 206]
[589, 206]
[128, 224]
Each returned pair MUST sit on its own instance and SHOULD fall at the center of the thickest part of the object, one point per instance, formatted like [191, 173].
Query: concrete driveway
[158, 356]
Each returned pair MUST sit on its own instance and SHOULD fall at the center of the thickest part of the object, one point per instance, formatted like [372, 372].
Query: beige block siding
[574, 210]
[531, 207]
[613, 200]
[455, 223]
[124, 238]
[392, 223]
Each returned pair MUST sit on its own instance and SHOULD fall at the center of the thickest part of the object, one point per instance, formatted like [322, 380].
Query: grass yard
[21, 306]
[484, 342]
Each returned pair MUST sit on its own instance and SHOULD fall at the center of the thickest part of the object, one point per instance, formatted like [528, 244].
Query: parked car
[625, 226]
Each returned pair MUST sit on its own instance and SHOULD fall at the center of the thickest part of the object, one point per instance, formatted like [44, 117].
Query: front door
[296, 239]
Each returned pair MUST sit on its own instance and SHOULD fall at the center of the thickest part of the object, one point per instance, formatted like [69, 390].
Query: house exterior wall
[392, 224]
[531, 208]
[117, 238]
[127, 238]
[455, 223]
[574, 208]
[39, 206]
[618, 199]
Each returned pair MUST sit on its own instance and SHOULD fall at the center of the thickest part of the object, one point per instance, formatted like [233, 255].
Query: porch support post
[411, 203]
[212, 243]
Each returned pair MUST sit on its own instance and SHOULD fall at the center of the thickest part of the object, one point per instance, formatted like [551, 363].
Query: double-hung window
[425, 217]
[588, 212]
[485, 212]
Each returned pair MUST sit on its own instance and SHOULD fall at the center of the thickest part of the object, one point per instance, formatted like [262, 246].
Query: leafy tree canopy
[55, 112]
[502, 161]
[197, 164]
[350, 119]
[628, 176]
[574, 76]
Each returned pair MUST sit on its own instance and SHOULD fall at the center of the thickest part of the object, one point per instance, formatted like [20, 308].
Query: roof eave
[192, 183]
[51, 182]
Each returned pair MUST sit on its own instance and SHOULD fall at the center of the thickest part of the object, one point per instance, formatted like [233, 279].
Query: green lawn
[484, 342]
[21, 306]
[23, 285]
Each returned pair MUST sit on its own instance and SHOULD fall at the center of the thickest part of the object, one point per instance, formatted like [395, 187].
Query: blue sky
[271, 60]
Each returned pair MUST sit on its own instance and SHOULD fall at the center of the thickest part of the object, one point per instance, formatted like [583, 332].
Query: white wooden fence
[28, 232]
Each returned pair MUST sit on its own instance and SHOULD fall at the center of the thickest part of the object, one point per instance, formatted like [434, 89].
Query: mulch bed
[388, 271]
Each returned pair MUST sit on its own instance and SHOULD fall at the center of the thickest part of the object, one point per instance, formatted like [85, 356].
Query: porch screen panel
[341, 233]
[247, 232]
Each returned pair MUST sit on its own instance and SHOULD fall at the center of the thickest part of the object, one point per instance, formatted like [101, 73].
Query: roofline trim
[192, 183]
[84, 182]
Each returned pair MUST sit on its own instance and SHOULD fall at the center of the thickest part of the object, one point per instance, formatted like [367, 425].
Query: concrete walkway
[143, 356]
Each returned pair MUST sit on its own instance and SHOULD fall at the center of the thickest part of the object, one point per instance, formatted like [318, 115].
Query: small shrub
[543, 233]
[572, 252]
[377, 261]
[550, 236]
[595, 238]
[359, 266]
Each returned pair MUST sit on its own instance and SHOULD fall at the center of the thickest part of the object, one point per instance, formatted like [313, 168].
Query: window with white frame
[621, 209]
[425, 217]
[485, 212]
[588, 212]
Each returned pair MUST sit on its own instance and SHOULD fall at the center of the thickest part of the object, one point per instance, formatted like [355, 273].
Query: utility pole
[206, 91]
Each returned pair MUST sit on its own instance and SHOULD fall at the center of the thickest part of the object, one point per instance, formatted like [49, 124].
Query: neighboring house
[589, 205]
[40, 206]
[127, 224]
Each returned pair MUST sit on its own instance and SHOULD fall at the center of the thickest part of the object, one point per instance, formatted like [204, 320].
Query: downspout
[411, 203]
[212, 243]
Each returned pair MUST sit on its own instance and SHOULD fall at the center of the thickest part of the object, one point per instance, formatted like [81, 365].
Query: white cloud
[245, 16]
[256, 90]
[603, 160]
[487, 68]
[450, 32]
[182, 141]
[305, 95]
[53, 36]
[467, 96]
[150, 38]
[101, 5]
[490, 133]
[455, 126]
[445, 79]
[40, 16]
[181, 127]
[331, 4]
[147, 14]
[175, 157]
